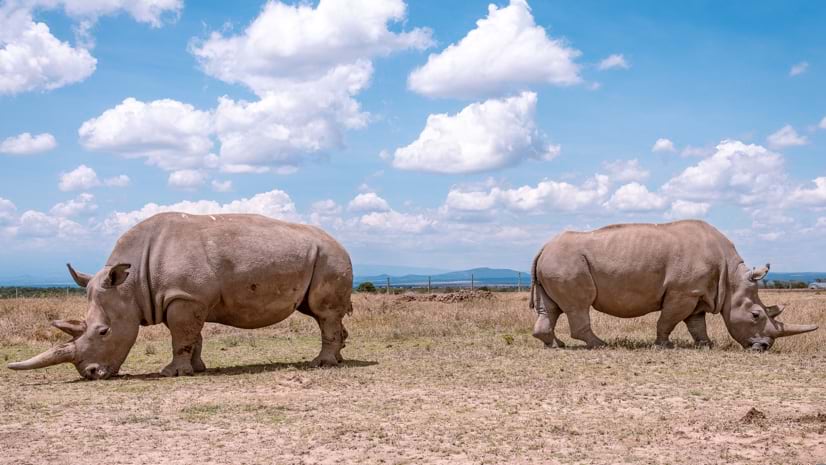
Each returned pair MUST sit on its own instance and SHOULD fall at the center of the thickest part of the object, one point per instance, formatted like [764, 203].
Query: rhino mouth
[760, 345]
[94, 371]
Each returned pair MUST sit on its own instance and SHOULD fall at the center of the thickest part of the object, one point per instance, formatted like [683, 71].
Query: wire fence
[391, 285]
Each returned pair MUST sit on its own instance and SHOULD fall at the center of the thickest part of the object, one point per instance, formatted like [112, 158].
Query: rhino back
[631, 267]
[248, 270]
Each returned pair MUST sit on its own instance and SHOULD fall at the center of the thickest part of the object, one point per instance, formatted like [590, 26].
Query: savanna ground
[426, 382]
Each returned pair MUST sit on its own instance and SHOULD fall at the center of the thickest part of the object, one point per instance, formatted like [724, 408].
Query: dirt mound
[753, 416]
[449, 297]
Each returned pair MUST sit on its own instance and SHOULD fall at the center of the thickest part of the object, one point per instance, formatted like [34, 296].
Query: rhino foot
[555, 344]
[664, 344]
[198, 366]
[178, 369]
[324, 362]
[704, 344]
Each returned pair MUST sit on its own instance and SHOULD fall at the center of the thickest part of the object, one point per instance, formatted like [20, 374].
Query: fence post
[519, 282]
[471, 282]
[15, 293]
[428, 284]
[388, 285]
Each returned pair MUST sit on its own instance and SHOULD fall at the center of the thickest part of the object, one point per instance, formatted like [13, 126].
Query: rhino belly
[255, 311]
[625, 300]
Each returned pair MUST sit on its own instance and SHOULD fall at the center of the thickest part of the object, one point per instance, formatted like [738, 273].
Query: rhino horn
[792, 330]
[82, 279]
[774, 311]
[73, 328]
[60, 354]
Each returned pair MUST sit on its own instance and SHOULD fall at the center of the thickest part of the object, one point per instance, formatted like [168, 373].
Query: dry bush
[392, 317]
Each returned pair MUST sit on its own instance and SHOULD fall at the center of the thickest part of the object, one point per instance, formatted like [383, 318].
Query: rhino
[182, 270]
[683, 270]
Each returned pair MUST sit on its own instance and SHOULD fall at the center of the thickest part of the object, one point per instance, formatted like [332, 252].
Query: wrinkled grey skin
[183, 270]
[683, 270]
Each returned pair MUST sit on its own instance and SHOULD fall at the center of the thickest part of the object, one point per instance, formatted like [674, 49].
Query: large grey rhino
[683, 270]
[183, 270]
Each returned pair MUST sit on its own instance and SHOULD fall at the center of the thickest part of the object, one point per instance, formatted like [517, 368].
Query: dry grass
[427, 382]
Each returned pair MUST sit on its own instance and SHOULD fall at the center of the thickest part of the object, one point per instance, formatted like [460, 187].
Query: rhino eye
[755, 315]
[104, 331]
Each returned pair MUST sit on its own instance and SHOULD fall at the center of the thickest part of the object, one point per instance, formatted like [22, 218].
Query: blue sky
[417, 135]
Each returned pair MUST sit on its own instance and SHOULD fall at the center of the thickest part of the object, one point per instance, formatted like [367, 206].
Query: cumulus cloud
[274, 204]
[663, 145]
[635, 197]
[80, 178]
[786, 137]
[368, 202]
[8, 211]
[117, 181]
[684, 209]
[186, 179]
[394, 222]
[626, 170]
[27, 144]
[798, 69]
[482, 137]
[222, 186]
[822, 124]
[39, 225]
[745, 173]
[82, 204]
[546, 195]
[33, 59]
[691, 151]
[506, 51]
[298, 42]
[815, 195]
[615, 61]
[167, 133]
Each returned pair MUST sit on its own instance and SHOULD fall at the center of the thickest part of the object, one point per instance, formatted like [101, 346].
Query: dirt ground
[425, 382]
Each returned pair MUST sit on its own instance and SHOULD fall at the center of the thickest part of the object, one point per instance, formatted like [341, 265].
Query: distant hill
[481, 276]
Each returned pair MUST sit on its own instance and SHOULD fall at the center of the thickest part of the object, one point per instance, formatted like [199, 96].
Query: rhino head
[749, 321]
[102, 341]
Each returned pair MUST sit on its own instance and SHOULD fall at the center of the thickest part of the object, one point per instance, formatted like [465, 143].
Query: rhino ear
[759, 273]
[117, 275]
[74, 328]
[82, 279]
[774, 310]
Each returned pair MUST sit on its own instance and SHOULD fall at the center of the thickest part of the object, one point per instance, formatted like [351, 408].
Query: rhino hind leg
[197, 362]
[332, 339]
[548, 313]
[696, 324]
[185, 320]
[580, 322]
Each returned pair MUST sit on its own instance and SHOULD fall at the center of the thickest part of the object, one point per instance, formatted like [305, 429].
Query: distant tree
[366, 286]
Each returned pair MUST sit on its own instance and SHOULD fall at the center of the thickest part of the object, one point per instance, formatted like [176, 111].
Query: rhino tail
[532, 303]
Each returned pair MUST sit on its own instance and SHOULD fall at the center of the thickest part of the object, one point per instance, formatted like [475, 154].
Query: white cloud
[8, 211]
[81, 178]
[626, 170]
[615, 61]
[31, 58]
[691, 151]
[299, 42]
[822, 124]
[26, 144]
[83, 203]
[117, 181]
[34, 224]
[368, 202]
[168, 133]
[553, 195]
[396, 223]
[663, 145]
[743, 172]
[814, 196]
[222, 186]
[482, 137]
[786, 137]
[186, 179]
[507, 51]
[798, 69]
[684, 209]
[274, 204]
[635, 197]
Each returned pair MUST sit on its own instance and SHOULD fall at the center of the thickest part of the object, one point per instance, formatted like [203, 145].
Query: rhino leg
[197, 362]
[696, 324]
[580, 323]
[185, 321]
[676, 308]
[548, 314]
[332, 339]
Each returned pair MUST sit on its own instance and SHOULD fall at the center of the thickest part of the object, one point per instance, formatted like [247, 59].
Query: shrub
[366, 286]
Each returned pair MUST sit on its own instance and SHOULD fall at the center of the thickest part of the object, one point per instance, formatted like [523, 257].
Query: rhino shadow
[645, 344]
[246, 370]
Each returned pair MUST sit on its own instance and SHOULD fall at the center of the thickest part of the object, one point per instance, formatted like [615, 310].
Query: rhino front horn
[792, 330]
[56, 355]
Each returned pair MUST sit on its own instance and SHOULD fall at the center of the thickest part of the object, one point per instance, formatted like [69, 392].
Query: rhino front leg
[197, 362]
[185, 321]
[696, 325]
[676, 308]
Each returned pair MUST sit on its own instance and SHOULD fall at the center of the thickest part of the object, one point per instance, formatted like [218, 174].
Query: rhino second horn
[56, 355]
[793, 330]
[82, 279]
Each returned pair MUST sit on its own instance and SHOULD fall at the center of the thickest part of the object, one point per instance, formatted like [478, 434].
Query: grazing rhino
[183, 270]
[683, 270]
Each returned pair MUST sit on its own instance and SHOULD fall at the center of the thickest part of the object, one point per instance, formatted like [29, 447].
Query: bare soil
[425, 382]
